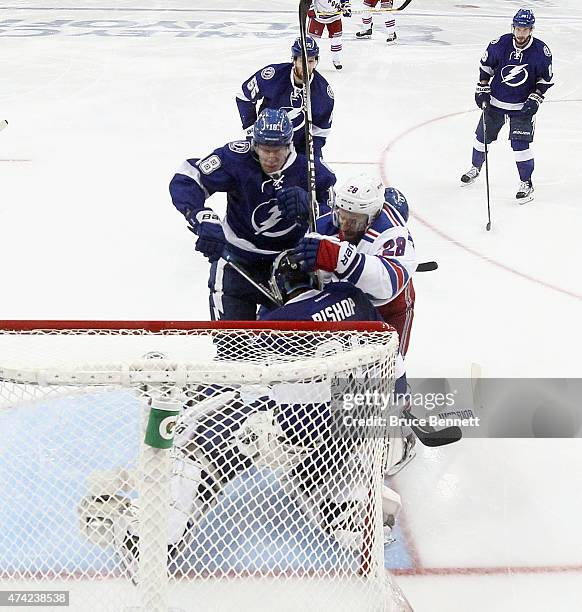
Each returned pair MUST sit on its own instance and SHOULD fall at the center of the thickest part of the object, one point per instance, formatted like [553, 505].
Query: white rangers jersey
[384, 259]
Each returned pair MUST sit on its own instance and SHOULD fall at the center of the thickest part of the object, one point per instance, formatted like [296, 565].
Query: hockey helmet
[361, 194]
[287, 276]
[273, 128]
[524, 18]
[311, 47]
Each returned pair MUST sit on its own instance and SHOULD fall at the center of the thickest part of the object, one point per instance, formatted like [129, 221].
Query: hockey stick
[253, 282]
[3, 124]
[432, 437]
[309, 152]
[488, 226]
[427, 266]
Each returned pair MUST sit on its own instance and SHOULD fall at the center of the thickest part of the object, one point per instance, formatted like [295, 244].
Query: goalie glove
[207, 226]
[317, 253]
[532, 104]
[482, 95]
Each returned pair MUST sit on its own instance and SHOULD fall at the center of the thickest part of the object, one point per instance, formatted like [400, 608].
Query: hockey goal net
[195, 466]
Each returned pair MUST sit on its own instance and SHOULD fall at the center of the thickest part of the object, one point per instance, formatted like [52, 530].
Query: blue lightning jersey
[253, 227]
[273, 87]
[335, 302]
[516, 72]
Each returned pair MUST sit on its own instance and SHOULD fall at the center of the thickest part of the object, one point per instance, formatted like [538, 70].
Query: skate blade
[525, 200]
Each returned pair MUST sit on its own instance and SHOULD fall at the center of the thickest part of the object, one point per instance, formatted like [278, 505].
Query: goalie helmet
[311, 47]
[396, 200]
[360, 194]
[524, 18]
[273, 128]
[287, 276]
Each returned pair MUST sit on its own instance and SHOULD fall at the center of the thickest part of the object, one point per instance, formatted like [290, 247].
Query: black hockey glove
[293, 203]
[206, 225]
[532, 104]
[347, 9]
[482, 95]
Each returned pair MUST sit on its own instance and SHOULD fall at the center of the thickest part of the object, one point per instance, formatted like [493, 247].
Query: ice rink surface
[104, 101]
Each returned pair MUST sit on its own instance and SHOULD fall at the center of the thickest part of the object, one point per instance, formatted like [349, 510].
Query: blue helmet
[524, 18]
[396, 200]
[287, 276]
[312, 48]
[273, 128]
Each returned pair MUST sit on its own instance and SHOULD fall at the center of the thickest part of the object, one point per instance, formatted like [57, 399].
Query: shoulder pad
[239, 146]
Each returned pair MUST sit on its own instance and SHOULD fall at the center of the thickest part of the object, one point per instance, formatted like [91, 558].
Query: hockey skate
[337, 65]
[525, 192]
[470, 176]
[391, 40]
[364, 33]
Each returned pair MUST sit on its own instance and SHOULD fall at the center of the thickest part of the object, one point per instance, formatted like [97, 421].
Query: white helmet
[361, 194]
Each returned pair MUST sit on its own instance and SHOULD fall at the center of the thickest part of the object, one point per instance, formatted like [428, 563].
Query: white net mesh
[267, 500]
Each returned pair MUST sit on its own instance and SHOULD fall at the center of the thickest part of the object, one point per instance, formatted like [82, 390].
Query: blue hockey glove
[293, 203]
[206, 225]
[347, 9]
[532, 104]
[482, 95]
[316, 253]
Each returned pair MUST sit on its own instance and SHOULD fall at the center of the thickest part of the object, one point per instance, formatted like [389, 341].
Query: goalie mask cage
[195, 466]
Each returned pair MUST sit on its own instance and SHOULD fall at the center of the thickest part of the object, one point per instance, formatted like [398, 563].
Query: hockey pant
[232, 297]
[335, 32]
[521, 134]
[400, 313]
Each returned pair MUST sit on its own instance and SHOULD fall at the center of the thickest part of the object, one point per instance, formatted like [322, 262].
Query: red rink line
[486, 571]
[449, 238]
[419, 569]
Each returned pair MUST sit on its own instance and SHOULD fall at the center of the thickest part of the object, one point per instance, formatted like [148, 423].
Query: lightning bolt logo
[513, 75]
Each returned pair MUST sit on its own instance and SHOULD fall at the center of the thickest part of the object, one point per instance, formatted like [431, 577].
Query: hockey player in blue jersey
[304, 302]
[267, 209]
[281, 86]
[514, 76]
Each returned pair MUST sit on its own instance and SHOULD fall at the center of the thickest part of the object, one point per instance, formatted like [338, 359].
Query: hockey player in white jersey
[328, 14]
[364, 240]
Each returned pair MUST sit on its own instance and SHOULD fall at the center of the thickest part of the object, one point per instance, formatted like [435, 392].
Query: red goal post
[266, 490]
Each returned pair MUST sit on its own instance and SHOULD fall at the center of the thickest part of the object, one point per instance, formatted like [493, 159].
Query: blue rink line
[47, 451]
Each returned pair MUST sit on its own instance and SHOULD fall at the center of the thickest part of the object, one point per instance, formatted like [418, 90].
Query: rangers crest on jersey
[239, 146]
[268, 73]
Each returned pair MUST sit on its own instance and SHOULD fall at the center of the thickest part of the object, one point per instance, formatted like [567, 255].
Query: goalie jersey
[516, 73]
[273, 87]
[253, 227]
[335, 302]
